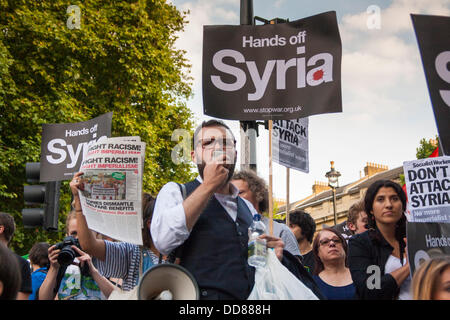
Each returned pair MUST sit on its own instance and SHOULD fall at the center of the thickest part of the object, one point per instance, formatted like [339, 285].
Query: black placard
[63, 145]
[433, 37]
[281, 71]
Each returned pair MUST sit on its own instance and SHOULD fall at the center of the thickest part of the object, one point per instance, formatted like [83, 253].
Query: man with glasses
[207, 222]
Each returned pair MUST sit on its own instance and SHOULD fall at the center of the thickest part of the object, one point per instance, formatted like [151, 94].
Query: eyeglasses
[325, 241]
[223, 143]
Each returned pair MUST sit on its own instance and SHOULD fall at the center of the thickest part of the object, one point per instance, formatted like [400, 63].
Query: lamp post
[333, 176]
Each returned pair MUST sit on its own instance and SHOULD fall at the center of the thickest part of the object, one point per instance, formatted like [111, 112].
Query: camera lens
[66, 256]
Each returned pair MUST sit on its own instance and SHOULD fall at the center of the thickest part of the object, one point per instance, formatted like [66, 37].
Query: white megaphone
[168, 282]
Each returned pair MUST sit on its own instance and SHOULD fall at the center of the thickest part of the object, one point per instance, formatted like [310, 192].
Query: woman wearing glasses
[331, 272]
[377, 258]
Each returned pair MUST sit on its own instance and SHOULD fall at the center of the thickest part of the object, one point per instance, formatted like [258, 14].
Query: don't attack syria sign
[281, 71]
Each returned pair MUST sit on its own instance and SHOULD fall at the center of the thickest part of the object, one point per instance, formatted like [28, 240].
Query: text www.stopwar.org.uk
[273, 110]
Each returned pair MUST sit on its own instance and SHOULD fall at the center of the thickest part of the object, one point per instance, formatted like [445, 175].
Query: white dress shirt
[392, 264]
[168, 228]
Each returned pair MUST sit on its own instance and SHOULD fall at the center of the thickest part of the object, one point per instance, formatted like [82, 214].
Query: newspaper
[428, 189]
[111, 199]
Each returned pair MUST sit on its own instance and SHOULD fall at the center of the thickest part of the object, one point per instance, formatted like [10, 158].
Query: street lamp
[333, 176]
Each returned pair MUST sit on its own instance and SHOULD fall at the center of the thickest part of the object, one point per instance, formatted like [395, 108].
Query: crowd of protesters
[203, 225]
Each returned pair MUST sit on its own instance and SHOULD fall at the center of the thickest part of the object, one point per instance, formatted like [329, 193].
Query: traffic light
[45, 195]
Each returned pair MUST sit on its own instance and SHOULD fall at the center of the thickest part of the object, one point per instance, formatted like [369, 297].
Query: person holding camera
[72, 275]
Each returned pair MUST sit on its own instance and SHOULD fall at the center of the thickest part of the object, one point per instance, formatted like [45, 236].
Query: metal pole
[247, 128]
[246, 12]
[334, 206]
[270, 180]
[287, 196]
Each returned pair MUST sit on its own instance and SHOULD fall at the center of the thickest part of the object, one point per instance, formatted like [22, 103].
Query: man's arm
[46, 291]
[174, 218]
[214, 177]
[91, 245]
[195, 204]
[168, 227]
[105, 286]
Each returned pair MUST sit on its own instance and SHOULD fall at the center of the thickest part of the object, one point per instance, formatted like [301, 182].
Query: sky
[386, 109]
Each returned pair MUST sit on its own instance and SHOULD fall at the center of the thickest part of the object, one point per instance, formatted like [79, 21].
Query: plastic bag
[276, 282]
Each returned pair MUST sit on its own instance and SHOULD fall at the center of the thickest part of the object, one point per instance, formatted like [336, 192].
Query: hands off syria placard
[63, 145]
[281, 71]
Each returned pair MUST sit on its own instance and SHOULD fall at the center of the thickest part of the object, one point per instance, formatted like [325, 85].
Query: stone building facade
[320, 203]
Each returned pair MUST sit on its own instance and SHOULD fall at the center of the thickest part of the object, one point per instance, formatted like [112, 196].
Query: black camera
[67, 254]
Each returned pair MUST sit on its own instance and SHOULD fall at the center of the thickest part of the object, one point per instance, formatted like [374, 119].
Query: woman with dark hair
[377, 257]
[331, 272]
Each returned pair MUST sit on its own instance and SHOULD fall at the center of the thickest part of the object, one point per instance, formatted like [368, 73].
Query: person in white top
[174, 217]
[383, 246]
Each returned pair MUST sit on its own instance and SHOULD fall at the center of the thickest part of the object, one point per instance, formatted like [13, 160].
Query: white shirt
[393, 263]
[168, 228]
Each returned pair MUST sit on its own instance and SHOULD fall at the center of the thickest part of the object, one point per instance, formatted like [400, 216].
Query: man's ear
[2, 229]
[194, 158]
[351, 226]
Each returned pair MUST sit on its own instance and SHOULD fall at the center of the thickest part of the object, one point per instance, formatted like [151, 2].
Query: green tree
[120, 57]
[424, 150]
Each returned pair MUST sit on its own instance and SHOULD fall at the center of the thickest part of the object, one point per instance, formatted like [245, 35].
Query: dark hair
[257, 186]
[209, 123]
[9, 274]
[7, 221]
[148, 204]
[318, 266]
[39, 254]
[400, 228]
[305, 222]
